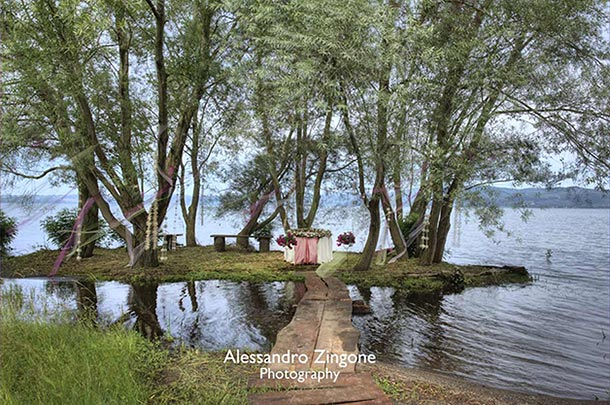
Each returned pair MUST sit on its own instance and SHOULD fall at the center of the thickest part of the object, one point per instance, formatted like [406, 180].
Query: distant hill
[39, 199]
[561, 197]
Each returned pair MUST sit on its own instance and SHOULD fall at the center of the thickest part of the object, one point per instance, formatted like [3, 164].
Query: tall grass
[63, 362]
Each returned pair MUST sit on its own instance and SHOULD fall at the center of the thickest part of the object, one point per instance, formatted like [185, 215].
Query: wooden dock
[322, 323]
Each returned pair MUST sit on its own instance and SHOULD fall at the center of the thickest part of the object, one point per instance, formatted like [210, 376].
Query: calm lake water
[551, 336]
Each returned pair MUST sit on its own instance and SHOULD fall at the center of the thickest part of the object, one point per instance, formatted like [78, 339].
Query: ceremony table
[310, 251]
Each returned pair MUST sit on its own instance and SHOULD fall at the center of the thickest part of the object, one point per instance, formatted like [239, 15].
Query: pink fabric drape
[306, 251]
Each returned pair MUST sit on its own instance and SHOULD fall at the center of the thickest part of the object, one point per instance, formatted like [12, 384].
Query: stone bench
[242, 241]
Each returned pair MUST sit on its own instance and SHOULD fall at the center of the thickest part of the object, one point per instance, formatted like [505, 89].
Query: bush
[264, 232]
[8, 231]
[59, 227]
[406, 224]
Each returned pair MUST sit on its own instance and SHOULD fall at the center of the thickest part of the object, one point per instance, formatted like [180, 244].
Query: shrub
[8, 231]
[264, 232]
[406, 225]
[59, 227]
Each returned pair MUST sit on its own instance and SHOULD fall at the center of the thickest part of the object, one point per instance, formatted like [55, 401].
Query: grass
[410, 275]
[186, 264]
[64, 363]
[196, 377]
[409, 390]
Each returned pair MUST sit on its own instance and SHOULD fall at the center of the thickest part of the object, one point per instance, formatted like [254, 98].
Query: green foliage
[265, 231]
[476, 92]
[406, 224]
[248, 183]
[59, 227]
[64, 363]
[8, 231]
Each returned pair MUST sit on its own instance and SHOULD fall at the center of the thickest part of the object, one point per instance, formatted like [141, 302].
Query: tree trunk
[90, 225]
[396, 178]
[323, 155]
[444, 225]
[191, 239]
[390, 217]
[191, 216]
[190, 285]
[143, 302]
[145, 257]
[366, 258]
[427, 255]
[148, 258]
[300, 170]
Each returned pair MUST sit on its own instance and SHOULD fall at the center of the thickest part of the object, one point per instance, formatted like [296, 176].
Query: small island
[378, 202]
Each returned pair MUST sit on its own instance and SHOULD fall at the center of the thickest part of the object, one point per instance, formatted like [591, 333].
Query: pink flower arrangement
[286, 241]
[346, 238]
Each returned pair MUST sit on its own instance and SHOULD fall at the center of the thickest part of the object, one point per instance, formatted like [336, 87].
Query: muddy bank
[439, 278]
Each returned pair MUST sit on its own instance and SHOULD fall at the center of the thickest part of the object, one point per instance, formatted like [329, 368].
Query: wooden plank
[381, 400]
[338, 395]
[336, 289]
[322, 321]
[344, 380]
[337, 336]
[300, 335]
[316, 288]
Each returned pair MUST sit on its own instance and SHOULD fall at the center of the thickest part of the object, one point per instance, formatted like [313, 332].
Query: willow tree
[39, 120]
[495, 60]
[76, 58]
[298, 54]
[205, 39]
[369, 117]
[251, 192]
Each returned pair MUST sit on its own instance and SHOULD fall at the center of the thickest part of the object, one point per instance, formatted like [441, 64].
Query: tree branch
[153, 9]
[35, 177]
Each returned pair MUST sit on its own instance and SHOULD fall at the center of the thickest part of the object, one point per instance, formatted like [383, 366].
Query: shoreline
[412, 386]
[203, 263]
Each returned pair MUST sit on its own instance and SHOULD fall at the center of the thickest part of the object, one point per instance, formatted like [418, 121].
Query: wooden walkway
[322, 323]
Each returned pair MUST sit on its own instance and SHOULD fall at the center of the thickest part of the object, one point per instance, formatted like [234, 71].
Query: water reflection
[484, 334]
[143, 306]
[489, 335]
[86, 299]
[211, 314]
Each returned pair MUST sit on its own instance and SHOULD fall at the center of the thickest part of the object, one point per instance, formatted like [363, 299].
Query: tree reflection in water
[142, 303]
[86, 302]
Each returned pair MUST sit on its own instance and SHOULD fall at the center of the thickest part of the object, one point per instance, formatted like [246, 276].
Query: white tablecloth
[325, 251]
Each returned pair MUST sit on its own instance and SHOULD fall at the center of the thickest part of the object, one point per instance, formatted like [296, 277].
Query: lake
[550, 336]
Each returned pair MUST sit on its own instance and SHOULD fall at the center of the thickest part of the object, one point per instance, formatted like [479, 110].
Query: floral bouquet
[347, 239]
[287, 241]
[311, 233]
